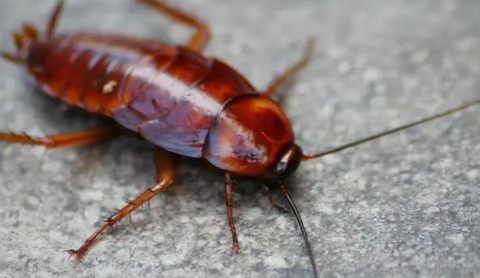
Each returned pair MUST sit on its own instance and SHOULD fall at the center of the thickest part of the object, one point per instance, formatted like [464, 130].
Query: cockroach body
[181, 101]
[173, 96]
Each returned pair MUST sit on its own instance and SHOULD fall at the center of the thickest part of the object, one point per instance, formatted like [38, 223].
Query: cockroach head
[287, 163]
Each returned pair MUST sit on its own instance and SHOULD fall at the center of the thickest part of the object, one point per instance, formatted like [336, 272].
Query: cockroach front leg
[229, 203]
[272, 202]
[165, 166]
[62, 140]
[292, 70]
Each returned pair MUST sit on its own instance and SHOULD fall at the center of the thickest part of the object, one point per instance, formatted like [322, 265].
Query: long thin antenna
[302, 228]
[376, 136]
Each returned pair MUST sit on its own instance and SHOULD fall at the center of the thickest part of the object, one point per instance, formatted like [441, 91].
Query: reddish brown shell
[168, 94]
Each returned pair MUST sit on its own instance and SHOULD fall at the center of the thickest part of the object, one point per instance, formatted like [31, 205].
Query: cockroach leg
[202, 35]
[54, 17]
[62, 140]
[20, 39]
[30, 31]
[12, 58]
[162, 164]
[272, 202]
[166, 168]
[159, 167]
[292, 70]
[229, 203]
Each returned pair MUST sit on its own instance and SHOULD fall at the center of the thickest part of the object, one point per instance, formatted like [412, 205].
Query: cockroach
[184, 103]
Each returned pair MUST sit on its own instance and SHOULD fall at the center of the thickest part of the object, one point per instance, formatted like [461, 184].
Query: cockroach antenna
[305, 157]
[393, 130]
[302, 227]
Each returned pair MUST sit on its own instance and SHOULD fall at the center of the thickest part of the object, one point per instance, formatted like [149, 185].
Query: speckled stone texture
[403, 206]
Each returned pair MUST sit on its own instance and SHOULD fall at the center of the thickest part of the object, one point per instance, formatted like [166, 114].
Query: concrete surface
[403, 206]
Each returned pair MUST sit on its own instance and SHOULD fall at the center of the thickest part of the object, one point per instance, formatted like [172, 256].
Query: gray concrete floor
[403, 206]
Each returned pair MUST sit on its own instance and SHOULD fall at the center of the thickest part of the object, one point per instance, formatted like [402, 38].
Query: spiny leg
[19, 40]
[166, 173]
[54, 17]
[292, 70]
[229, 203]
[202, 35]
[30, 31]
[272, 202]
[11, 57]
[62, 140]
